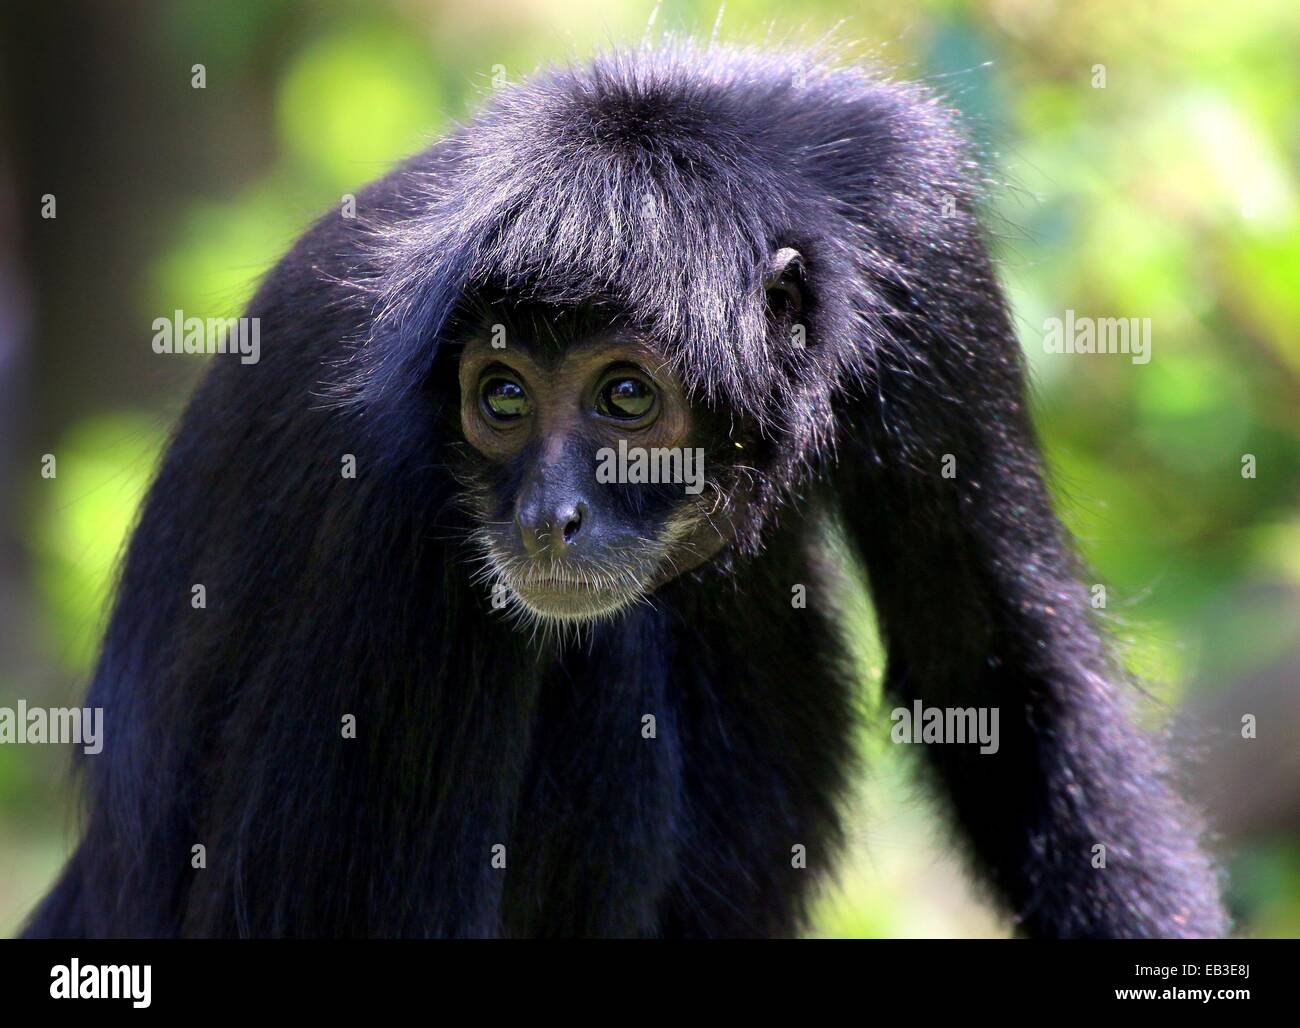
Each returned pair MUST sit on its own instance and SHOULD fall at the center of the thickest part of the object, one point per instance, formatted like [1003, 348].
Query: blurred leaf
[104, 466]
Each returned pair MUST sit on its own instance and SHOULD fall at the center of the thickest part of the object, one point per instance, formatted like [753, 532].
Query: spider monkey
[470, 688]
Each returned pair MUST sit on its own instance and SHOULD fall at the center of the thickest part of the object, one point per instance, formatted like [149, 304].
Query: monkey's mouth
[573, 599]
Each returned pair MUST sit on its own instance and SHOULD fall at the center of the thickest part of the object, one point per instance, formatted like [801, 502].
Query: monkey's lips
[570, 599]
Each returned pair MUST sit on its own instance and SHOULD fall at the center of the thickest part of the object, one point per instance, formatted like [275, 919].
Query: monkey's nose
[552, 532]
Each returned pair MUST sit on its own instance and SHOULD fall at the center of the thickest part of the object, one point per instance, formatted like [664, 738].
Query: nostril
[572, 525]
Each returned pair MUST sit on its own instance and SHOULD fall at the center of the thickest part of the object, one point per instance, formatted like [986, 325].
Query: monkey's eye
[626, 397]
[504, 399]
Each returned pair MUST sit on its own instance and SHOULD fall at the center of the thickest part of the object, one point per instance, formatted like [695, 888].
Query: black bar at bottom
[810, 978]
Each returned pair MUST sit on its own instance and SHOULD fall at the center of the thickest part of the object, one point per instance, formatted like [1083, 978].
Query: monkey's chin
[553, 601]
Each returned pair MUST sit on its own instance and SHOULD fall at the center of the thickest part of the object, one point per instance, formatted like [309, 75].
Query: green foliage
[86, 512]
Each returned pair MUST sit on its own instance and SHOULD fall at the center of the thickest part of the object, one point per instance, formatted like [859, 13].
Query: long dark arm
[980, 604]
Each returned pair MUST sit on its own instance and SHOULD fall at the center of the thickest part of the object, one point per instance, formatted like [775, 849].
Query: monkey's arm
[338, 725]
[980, 605]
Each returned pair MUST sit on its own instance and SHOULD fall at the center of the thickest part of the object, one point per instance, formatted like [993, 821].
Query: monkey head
[592, 477]
[591, 474]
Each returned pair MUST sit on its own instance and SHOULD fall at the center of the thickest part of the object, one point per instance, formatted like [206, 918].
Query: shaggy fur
[650, 185]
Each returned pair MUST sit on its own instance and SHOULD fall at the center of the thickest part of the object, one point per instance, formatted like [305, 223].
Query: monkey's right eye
[504, 399]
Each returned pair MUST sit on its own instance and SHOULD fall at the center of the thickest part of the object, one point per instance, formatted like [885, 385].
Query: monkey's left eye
[626, 398]
[504, 399]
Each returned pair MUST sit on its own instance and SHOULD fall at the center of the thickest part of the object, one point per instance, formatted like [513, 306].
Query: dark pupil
[505, 399]
[627, 398]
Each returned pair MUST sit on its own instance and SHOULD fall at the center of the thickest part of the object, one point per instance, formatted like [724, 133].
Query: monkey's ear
[784, 282]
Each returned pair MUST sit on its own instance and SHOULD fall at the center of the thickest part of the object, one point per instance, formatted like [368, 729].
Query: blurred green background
[1171, 193]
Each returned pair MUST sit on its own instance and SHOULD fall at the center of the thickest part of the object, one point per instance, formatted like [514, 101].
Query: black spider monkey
[472, 688]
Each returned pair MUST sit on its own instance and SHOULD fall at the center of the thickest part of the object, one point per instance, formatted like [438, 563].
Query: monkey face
[588, 476]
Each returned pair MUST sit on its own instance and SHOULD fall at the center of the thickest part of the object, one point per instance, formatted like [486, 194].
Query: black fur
[654, 184]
